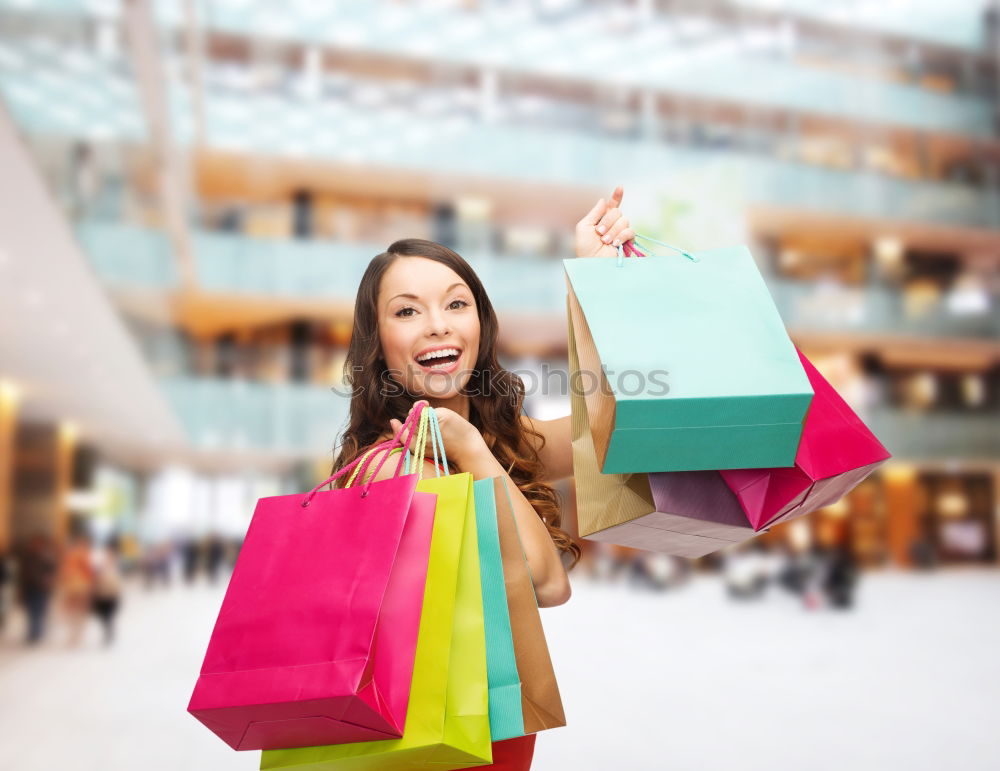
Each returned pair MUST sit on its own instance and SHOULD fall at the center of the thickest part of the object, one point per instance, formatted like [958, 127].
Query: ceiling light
[10, 393]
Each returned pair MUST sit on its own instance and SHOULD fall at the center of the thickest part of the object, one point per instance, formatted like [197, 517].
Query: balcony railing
[809, 307]
[937, 436]
[304, 421]
[294, 419]
[126, 255]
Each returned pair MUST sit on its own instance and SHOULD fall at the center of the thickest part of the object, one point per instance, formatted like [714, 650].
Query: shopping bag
[512, 754]
[836, 453]
[316, 636]
[685, 364]
[447, 722]
[541, 704]
[683, 513]
[506, 717]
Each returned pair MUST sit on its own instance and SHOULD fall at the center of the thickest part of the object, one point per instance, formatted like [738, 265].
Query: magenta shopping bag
[316, 637]
[836, 452]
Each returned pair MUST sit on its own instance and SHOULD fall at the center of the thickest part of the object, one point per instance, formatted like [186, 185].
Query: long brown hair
[496, 396]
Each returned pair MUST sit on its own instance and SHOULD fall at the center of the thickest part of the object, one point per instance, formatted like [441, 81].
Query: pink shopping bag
[315, 640]
[836, 452]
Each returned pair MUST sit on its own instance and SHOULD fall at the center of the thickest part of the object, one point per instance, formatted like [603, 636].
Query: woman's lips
[441, 369]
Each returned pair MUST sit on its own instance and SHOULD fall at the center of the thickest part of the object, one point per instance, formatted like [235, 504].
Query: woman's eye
[462, 303]
[402, 312]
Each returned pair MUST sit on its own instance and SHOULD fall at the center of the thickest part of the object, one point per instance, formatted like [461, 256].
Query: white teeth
[438, 354]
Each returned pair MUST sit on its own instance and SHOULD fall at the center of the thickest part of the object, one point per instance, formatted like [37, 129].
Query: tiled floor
[681, 680]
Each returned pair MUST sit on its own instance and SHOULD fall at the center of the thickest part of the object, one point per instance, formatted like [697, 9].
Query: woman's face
[425, 307]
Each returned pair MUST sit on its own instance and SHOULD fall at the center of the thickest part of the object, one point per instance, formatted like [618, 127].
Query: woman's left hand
[462, 440]
[603, 228]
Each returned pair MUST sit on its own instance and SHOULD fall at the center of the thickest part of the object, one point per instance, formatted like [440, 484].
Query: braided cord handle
[362, 462]
[427, 426]
[631, 249]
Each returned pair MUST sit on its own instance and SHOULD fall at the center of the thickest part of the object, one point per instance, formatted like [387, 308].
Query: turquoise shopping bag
[685, 364]
[506, 716]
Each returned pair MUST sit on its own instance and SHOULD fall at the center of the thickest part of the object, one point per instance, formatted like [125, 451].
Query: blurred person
[815, 570]
[923, 555]
[841, 578]
[776, 560]
[233, 552]
[108, 588]
[5, 576]
[37, 569]
[745, 572]
[189, 559]
[156, 565]
[658, 572]
[214, 557]
[76, 584]
[610, 561]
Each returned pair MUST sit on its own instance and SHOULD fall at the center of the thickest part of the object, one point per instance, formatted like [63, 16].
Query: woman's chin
[440, 386]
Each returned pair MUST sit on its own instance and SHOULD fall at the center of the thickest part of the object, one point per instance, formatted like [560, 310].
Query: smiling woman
[424, 328]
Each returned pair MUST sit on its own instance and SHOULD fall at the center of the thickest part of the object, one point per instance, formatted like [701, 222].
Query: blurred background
[191, 190]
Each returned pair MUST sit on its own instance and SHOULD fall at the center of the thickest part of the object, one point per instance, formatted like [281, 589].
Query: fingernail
[601, 229]
[606, 239]
[617, 243]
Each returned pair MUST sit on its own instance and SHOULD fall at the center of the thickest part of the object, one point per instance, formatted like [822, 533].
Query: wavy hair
[496, 395]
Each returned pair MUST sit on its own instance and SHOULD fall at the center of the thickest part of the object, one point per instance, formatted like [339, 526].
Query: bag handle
[428, 425]
[630, 249]
[416, 416]
[364, 460]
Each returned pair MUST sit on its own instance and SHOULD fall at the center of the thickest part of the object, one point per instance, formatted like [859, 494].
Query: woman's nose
[437, 325]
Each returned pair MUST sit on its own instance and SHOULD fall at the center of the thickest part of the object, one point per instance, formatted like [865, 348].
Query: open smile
[440, 360]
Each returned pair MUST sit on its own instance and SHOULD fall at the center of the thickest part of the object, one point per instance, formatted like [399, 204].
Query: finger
[627, 234]
[616, 197]
[395, 425]
[610, 218]
[594, 215]
[613, 236]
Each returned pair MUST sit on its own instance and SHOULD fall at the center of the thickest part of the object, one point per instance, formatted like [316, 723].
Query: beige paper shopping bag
[698, 514]
[540, 700]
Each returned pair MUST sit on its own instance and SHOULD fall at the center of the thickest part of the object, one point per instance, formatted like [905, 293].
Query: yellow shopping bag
[447, 721]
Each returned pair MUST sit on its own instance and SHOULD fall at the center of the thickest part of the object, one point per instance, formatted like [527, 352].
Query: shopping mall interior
[191, 192]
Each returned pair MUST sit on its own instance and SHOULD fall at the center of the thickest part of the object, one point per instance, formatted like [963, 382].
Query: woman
[424, 328]
[76, 581]
[108, 589]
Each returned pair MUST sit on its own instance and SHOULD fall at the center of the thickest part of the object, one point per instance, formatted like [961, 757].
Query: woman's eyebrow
[414, 297]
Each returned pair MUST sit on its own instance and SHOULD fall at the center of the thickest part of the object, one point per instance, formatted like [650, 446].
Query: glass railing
[752, 64]
[823, 307]
[126, 255]
[305, 420]
[297, 419]
[545, 155]
[930, 436]
[757, 67]
[45, 98]
[959, 25]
